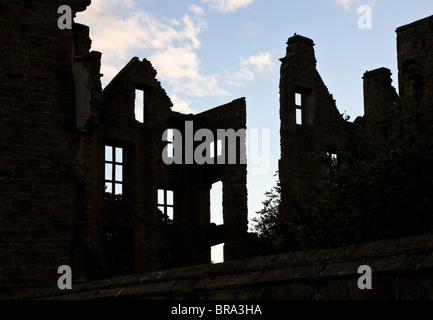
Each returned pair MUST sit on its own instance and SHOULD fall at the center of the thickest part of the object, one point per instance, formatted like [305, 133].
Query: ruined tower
[141, 214]
[309, 123]
[379, 94]
[39, 140]
[415, 61]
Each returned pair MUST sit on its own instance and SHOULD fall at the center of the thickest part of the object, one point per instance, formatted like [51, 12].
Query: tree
[381, 188]
[273, 235]
[267, 224]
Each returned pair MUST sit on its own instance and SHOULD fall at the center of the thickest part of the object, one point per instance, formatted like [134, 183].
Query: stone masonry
[311, 123]
[82, 182]
[402, 269]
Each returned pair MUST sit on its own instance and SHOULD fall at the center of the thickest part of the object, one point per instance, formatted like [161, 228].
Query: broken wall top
[119, 94]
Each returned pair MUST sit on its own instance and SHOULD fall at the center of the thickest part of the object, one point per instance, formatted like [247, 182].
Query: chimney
[379, 94]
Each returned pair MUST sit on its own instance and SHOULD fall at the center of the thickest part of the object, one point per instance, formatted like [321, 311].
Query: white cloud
[237, 78]
[228, 5]
[263, 63]
[181, 105]
[349, 4]
[197, 10]
[119, 30]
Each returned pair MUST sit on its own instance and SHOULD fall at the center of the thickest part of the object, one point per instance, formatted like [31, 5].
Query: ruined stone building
[310, 121]
[82, 182]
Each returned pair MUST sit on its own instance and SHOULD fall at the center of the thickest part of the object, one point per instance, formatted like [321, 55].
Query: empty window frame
[298, 99]
[216, 149]
[216, 203]
[332, 158]
[143, 101]
[114, 162]
[332, 166]
[139, 105]
[170, 143]
[217, 253]
[299, 103]
[299, 116]
[166, 206]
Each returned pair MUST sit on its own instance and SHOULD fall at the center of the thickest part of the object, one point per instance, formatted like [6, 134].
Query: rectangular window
[217, 253]
[299, 103]
[166, 206]
[139, 105]
[216, 203]
[113, 173]
[216, 149]
[333, 159]
[298, 99]
[299, 116]
[170, 143]
[332, 166]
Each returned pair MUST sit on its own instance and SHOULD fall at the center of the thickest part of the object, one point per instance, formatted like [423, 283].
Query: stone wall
[38, 142]
[309, 124]
[56, 123]
[414, 54]
[401, 269]
[379, 94]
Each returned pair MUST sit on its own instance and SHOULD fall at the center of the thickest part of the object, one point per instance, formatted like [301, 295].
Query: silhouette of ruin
[311, 123]
[83, 182]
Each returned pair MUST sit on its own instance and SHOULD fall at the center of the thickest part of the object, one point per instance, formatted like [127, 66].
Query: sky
[211, 52]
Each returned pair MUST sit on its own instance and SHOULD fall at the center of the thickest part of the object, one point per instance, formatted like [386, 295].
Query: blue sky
[210, 52]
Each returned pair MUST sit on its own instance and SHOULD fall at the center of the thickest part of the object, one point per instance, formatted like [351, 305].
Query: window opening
[166, 206]
[333, 159]
[216, 203]
[139, 105]
[299, 116]
[299, 106]
[216, 149]
[170, 143]
[217, 253]
[298, 99]
[113, 189]
[332, 166]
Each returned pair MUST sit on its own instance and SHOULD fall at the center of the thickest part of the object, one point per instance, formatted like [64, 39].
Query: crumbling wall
[229, 117]
[310, 122]
[186, 237]
[415, 65]
[38, 141]
[379, 94]
[401, 269]
[56, 126]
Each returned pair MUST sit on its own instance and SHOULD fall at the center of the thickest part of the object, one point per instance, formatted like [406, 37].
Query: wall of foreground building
[401, 269]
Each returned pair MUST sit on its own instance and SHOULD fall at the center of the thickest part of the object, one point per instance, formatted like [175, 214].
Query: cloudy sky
[210, 52]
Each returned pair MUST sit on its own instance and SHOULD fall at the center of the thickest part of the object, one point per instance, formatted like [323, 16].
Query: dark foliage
[381, 188]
